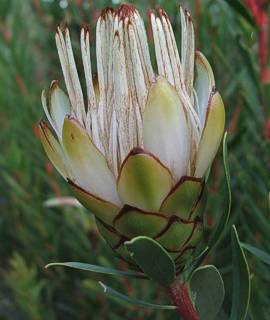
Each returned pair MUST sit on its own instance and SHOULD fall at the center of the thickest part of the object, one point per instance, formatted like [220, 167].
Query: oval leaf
[153, 259]
[207, 286]
[241, 280]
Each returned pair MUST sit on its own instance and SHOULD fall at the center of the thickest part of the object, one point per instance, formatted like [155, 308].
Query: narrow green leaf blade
[223, 220]
[207, 286]
[260, 254]
[97, 269]
[247, 57]
[118, 295]
[224, 217]
[241, 280]
[153, 259]
[241, 9]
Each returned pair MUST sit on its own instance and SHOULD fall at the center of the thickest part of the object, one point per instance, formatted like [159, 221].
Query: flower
[136, 154]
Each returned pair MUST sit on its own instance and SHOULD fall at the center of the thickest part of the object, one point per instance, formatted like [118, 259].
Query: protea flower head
[136, 148]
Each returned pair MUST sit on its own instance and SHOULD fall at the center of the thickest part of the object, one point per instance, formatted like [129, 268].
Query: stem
[181, 299]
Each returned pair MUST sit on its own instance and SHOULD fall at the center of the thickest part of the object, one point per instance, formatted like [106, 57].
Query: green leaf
[118, 295]
[241, 9]
[153, 259]
[207, 286]
[97, 269]
[247, 58]
[196, 261]
[241, 280]
[224, 217]
[260, 254]
[266, 95]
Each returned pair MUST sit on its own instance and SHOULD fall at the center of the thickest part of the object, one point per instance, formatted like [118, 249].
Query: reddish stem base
[181, 299]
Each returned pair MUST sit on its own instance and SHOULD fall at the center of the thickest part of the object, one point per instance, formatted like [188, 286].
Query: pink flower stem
[181, 299]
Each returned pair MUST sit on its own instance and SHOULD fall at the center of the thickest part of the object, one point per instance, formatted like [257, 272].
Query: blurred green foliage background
[32, 235]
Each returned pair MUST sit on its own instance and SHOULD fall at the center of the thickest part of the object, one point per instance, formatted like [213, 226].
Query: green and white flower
[136, 148]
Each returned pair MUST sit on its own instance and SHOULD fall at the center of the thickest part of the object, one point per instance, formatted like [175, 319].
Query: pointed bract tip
[85, 27]
[125, 11]
[71, 118]
[107, 11]
[43, 128]
[214, 90]
[136, 150]
[42, 124]
[66, 30]
[58, 28]
[188, 15]
[54, 85]
[212, 93]
[162, 13]
[160, 79]
[61, 28]
[150, 13]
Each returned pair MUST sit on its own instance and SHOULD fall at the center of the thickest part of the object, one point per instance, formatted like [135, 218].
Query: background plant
[32, 235]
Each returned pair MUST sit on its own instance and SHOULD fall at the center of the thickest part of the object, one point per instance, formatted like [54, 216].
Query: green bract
[137, 152]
